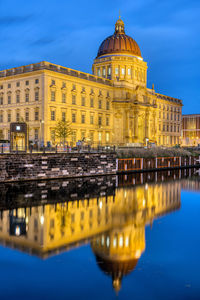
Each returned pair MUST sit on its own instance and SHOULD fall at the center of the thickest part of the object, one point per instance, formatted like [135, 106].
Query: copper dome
[119, 42]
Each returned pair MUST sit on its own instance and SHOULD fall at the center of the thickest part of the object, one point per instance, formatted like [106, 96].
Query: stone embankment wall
[20, 167]
[156, 163]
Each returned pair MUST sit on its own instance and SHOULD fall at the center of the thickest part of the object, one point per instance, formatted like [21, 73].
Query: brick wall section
[18, 167]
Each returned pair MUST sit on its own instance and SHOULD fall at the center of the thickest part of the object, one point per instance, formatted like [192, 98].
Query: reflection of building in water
[114, 224]
[118, 250]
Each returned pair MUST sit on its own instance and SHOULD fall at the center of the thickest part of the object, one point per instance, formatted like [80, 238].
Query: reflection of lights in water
[127, 241]
[26, 220]
[115, 242]
[125, 194]
[146, 186]
[108, 241]
[102, 240]
[100, 204]
[137, 254]
[121, 241]
[143, 202]
[17, 231]
[42, 220]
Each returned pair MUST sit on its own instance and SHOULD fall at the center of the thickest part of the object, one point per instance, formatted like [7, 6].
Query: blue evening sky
[69, 33]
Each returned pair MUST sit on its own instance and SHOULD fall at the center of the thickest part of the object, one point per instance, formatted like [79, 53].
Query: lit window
[53, 96]
[100, 136]
[63, 98]
[129, 71]
[73, 118]
[98, 72]
[107, 137]
[53, 115]
[27, 97]
[36, 115]
[9, 99]
[36, 95]
[83, 101]
[104, 72]
[73, 99]
[27, 116]
[91, 102]
[83, 118]
[109, 71]
[63, 116]
[116, 71]
[123, 71]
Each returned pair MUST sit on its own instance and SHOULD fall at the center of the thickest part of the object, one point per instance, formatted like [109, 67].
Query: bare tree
[63, 130]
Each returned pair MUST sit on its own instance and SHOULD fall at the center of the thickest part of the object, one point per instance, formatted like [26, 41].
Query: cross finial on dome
[119, 15]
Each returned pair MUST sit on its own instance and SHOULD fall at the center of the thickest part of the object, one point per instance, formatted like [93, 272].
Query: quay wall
[22, 167]
[156, 163]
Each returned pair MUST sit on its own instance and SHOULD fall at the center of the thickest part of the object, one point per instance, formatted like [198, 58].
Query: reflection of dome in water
[116, 269]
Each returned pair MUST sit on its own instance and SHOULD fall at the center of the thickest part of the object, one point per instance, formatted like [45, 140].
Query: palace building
[112, 106]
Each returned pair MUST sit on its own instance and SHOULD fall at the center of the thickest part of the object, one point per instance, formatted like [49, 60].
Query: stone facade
[18, 167]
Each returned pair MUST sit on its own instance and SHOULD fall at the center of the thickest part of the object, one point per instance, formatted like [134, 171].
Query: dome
[119, 42]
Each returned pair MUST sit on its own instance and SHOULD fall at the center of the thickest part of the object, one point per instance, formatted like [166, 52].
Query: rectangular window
[9, 117]
[53, 96]
[1, 117]
[91, 102]
[91, 136]
[98, 72]
[36, 81]
[73, 118]
[74, 87]
[1, 87]
[64, 85]
[107, 137]
[9, 85]
[53, 82]
[73, 99]
[27, 97]
[36, 115]
[129, 71]
[107, 105]
[83, 118]
[36, 95]
[36, 134]
[17, 117]
[91, 119]
[104, 72]
[18, 98]
[100, 103]
[107, 121]
[63, 98]
[109, 71]
[100, 121]
[27, 82]
[99, 136]
[53, 115]
[116, 71]
[1, 100]
[27, 116]
[9, 99]
[83, 101]
[18, 84]
[123, 71]
[63, 116]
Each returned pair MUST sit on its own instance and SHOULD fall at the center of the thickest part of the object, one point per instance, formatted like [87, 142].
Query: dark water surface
[125, 237]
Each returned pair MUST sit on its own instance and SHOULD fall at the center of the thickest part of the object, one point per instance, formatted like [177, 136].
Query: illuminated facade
[191, 130]
[112, 106]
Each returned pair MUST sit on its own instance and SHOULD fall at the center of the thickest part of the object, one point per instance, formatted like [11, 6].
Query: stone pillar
[147, 115]
[136, 125]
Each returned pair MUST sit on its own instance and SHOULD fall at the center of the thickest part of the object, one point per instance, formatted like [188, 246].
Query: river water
[116, 237]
